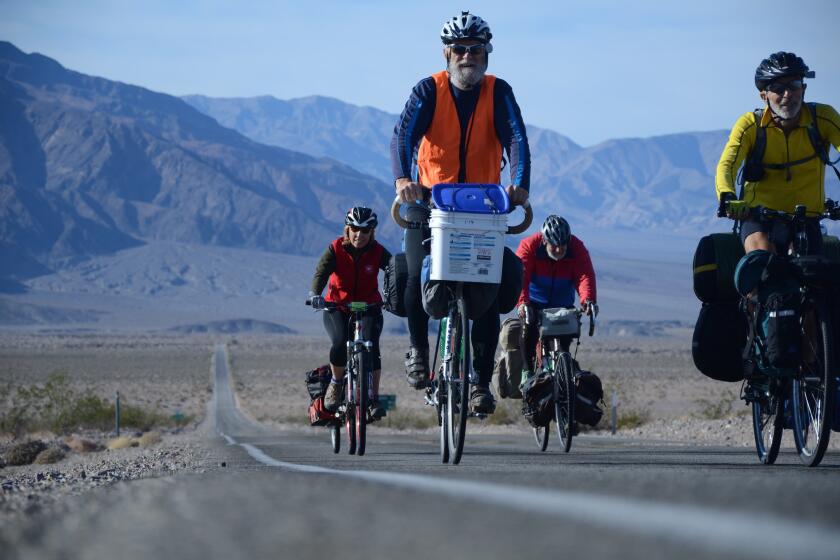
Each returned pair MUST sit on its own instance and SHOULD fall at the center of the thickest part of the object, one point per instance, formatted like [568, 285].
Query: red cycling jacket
[550, 283]
[439, 155]
[355, 280]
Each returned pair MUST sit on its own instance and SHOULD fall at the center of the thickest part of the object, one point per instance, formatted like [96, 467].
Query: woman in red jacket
[556, 264]
[350, 268]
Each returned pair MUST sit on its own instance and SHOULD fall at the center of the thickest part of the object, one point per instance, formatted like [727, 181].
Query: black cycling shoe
[417, 367]
[482, 401]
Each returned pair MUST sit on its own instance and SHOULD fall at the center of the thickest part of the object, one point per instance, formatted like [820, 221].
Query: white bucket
[467, 247]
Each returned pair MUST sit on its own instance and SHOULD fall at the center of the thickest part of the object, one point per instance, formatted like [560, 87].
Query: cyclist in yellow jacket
[792, 169]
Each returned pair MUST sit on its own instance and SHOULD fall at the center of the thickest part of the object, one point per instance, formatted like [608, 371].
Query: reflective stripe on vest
[439, 155]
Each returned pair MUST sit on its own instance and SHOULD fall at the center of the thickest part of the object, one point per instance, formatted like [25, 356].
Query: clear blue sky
[591, 70]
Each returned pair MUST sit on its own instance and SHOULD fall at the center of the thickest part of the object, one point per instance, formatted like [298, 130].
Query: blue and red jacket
[549, 283]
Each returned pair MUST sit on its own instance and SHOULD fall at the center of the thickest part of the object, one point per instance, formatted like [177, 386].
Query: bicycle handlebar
[353, 306]
[511, 230]
[831, 212]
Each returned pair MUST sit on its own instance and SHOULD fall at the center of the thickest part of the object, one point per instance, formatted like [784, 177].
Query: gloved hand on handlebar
[518, 196]
[316, 301]
[588, 304]
[737, 209]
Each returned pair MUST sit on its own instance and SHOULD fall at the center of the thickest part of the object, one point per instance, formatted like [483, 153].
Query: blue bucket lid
[472, 198]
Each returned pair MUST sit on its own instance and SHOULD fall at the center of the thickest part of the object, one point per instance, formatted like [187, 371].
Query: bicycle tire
[564, 398]
[350, 413]
[541, 434]
[814, 389]
[335, 436]
[443, 420]
[362, 366]
[768, 423]
[458, 393]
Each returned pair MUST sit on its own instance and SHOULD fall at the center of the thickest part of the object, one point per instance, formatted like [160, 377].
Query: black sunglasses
[779, 88]
[361, 229]
[461, 50]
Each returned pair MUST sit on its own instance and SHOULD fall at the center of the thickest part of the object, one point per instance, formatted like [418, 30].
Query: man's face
[467, 67]
[556, 252]
[785, 96]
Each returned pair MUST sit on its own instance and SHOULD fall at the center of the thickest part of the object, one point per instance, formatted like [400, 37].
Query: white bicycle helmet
[466, 26]
[361, 216]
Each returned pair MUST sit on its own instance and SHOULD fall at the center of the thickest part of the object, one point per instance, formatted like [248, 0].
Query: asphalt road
[286, 495]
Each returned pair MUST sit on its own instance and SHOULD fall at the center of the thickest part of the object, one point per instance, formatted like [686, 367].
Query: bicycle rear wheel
[350, 414]
[815, 388]
[541, 435]
[564, 398]
[458, 392]
[362, 366]
[768, 422]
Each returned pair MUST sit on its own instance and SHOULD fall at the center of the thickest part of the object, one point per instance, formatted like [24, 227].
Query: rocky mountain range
[90, 166]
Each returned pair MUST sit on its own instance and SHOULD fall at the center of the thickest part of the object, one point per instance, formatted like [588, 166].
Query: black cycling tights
[485, 330]
[335, 321]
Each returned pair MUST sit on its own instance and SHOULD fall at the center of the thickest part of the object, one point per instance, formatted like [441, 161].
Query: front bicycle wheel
[814, 388]
[335, 436]
[458, 392]
[768, 411]
[541, 435]
[564, 398]
[362, 366]
[350, 413]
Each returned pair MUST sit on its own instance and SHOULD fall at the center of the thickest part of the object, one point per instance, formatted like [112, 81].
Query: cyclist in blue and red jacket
[349, 268]
[556, 264]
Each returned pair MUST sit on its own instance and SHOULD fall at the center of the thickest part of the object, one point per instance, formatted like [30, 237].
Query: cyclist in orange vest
[455, 127]
[350, 269]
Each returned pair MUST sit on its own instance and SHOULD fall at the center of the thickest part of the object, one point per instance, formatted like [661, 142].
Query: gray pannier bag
[559, 321]
[507, 372]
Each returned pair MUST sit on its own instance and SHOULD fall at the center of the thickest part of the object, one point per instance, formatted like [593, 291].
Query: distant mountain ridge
[91, 166]
[664, 182]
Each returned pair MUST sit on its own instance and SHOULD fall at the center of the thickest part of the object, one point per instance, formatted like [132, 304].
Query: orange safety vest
[439, 155]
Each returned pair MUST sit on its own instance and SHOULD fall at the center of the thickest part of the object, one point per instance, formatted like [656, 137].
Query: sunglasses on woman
[360, 229]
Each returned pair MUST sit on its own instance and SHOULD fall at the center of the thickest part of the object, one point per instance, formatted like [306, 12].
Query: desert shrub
[632, 419]
[57, 407]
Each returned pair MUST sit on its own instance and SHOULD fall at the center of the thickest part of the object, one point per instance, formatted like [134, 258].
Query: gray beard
[785, 113]
[466, 78]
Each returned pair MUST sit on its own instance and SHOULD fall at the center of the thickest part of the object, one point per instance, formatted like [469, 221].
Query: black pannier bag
[589, 393]
[538, 399]
[782, 335]
[720, 336]
[396, 276]
[715, 260]
[317, 381]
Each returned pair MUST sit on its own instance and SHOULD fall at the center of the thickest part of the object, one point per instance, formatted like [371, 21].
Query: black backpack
[754, 166]
[396, 276]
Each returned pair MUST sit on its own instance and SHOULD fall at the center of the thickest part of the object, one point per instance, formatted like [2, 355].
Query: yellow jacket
[780, 189]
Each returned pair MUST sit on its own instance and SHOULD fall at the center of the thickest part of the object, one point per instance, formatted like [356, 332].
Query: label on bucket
[471, 256]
